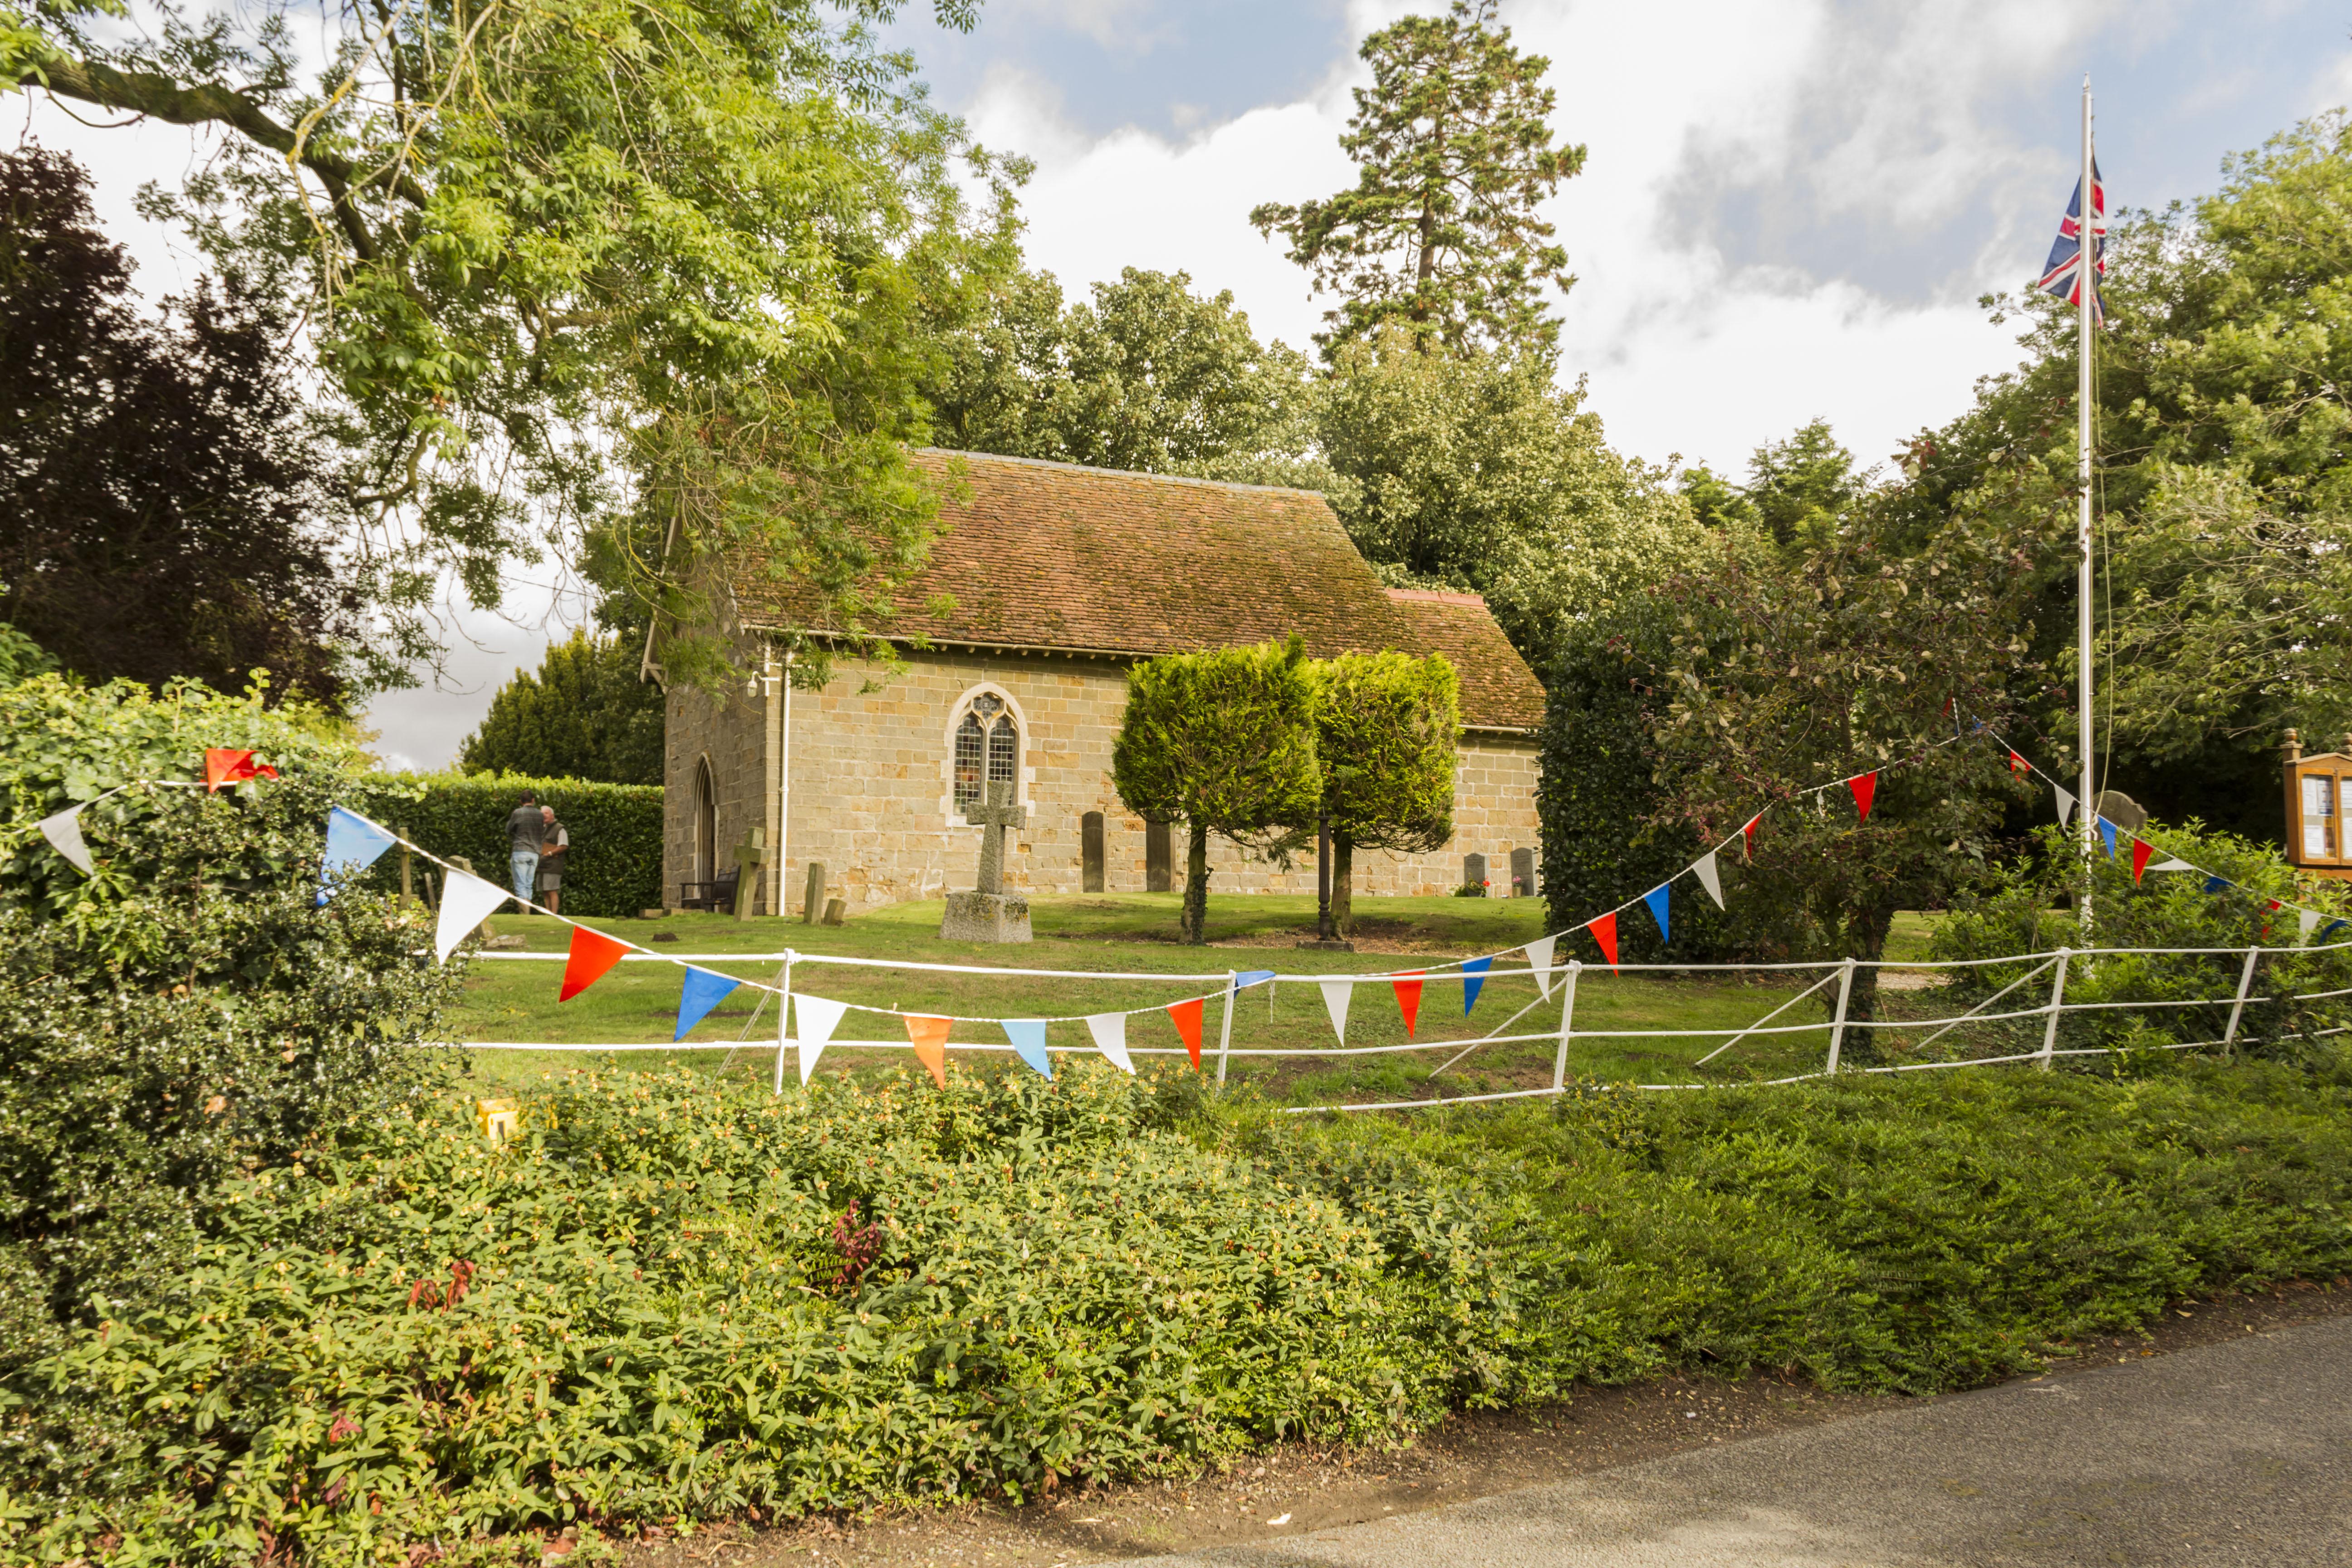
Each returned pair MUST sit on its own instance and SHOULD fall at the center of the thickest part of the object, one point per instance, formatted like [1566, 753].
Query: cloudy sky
[1788, 210]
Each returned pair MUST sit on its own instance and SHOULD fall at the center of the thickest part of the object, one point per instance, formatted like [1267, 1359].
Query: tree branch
[161, 98]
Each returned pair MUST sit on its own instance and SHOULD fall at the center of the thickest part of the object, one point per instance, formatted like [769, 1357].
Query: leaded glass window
[987, 750]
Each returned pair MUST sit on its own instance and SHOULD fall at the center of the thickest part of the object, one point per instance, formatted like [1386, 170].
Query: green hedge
[615, 865]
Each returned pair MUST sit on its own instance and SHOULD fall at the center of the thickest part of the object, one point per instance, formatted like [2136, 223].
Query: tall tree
[1475, 472]
[585, 714]
[2224, 485]
[649, 265]
[1147, 375]
[1225, 741]
[161, 483]
[1386, 725]
[1453, 144]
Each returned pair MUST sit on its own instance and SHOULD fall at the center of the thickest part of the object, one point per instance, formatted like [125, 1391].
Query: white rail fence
[1840, 974]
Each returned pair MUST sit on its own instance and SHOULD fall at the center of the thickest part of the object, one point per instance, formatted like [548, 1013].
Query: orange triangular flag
[223, 765]
[1188, 1025]
[930, 1038]
[1604, 932]
[593, 952]
[1863, 788]
[1408, 995]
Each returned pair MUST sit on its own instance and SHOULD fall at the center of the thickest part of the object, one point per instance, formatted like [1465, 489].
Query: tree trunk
[1865, 940]
[1343, 884]
[1195, 926]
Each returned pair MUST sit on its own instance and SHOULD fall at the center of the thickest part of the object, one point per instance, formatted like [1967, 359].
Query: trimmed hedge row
[615, 865]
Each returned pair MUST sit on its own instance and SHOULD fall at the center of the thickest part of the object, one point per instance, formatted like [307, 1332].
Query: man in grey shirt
[523, 825]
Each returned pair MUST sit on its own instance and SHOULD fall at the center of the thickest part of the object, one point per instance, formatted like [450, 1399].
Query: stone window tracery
[987, 750]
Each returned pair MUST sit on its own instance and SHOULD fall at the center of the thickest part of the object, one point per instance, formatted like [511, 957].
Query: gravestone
[749, 856]
[1090, 852]
[813, 901]
[1158, 857]
[837, 911]
[987, 913]
[1523, 873]
[2122, 810]
[1474, 871]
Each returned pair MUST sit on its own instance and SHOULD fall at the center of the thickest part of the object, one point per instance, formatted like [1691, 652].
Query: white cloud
[1699, 118]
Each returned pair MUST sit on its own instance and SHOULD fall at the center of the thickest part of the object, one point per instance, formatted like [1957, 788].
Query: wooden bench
[710, 896]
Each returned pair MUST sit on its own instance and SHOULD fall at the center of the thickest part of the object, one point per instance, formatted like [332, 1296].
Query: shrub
[188, 1012]
[2018, 911]
[615, 865]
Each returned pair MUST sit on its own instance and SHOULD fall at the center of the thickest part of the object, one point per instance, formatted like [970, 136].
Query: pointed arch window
[987, 750]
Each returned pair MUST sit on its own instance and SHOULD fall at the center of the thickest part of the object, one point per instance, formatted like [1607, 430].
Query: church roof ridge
[1117, 473]
[1061, 557]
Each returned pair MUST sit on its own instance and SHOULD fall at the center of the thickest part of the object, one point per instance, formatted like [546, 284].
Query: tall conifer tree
[1455, 151]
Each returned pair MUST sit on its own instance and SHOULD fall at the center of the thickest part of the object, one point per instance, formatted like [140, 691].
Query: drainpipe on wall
[784, 789]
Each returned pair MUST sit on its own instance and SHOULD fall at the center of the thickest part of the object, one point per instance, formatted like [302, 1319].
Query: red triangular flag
[1863, 788]
[2016, 763]
[1604, 932]
[1748, 832]
[929, 1037]
[2141, 851]
[223, 765]
[1408, 995]
[1188, 1026]
[593, 952]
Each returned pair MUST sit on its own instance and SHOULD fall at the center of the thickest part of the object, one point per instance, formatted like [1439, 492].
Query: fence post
[2057, 1000]
[1566, 1022]
[2238, 1008]
[783, 1019]
[1225, 1034]
[1837, 1023]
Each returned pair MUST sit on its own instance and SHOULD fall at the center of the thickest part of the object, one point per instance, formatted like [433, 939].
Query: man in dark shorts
[523, 826]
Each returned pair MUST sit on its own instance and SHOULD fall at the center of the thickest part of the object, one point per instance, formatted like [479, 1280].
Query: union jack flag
[2063, 274]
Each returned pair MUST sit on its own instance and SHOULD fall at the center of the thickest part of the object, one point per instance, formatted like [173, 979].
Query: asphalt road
[2234, 1453]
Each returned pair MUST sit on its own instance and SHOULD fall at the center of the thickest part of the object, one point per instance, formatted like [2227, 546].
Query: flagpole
[2087, 284]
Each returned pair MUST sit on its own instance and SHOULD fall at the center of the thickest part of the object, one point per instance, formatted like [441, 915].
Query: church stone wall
[871, 791]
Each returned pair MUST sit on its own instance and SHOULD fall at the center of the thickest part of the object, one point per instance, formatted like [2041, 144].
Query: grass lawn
[514, 1001]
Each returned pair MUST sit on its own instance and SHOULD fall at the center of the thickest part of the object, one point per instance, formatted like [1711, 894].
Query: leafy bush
[614, 868]
[663, 1298]
[188, 1012]
[2018, 911]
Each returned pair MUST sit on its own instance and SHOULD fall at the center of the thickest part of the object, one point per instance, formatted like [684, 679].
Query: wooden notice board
[2316, 800]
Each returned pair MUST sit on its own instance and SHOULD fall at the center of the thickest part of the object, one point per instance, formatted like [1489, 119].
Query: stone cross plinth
[989, 914]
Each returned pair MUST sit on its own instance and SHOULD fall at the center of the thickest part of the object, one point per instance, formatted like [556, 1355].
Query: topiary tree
[1223, 739]
[1385, 727]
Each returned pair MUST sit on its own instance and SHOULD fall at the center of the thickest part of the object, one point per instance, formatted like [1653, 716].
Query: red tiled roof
[1053, 556]
[1498, 690]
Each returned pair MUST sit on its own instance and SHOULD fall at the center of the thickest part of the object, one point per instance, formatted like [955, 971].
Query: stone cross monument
[989, 914]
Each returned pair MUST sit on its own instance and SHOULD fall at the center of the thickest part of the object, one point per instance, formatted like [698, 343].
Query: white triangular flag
[1705, 867]
[1335, 995]
[2065, 805]
[819, 1016]
[1539, 955]
[64, 832]
[2305, 921]
[1109, 1030]
[466, 902]
[2174, 865]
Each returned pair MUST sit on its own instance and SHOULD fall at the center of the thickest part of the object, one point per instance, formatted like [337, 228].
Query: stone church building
[1060, 577]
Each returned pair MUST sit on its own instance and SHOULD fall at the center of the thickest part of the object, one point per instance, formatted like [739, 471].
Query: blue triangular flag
[2215, 884]
[701, 993]
[1656, 898]
[353, 844]
[1475, 969]
[2331, 927]
[1028, 1037]
[2108, 832]
[1249, 977]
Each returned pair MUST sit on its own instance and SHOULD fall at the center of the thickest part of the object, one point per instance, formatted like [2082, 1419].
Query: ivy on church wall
[615, 865]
